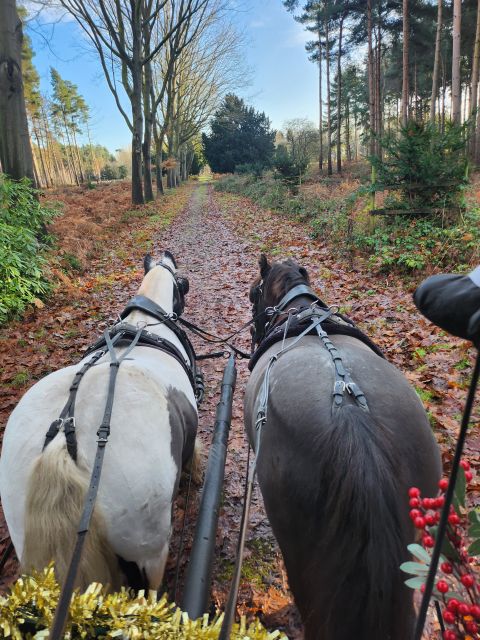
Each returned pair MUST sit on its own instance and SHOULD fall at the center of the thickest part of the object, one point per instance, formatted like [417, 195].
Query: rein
[61, 612]
[136, 336]
[343, 383]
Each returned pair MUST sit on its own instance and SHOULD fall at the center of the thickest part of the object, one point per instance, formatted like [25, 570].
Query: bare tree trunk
[415, 89]
[474, 84]
[158, 139]
[378, 91]
[405, 87]
[148, 114]
[436, 63]
[444, 93]
[16, 155]
[371, 78]
[46, 182]
[347, 131]
[329, 119]
[456, 89]
[320, 101]
[136, 101]
[79, 158]
[339, 97]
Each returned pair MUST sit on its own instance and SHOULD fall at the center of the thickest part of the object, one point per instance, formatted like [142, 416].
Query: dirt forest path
[217, 239]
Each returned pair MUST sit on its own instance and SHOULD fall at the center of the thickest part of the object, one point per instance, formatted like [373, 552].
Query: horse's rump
[335, 486]
[153, 427]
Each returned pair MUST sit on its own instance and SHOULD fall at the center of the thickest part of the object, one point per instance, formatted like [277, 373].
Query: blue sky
[284, 82]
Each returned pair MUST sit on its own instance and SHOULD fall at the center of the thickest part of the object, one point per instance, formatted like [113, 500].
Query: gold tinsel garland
[27, 613]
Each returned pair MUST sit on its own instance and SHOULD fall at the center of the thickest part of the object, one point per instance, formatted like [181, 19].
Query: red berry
[468, 476]
[453, 604]
[465, 464]
[413, 492]
[449, 635]
[419, 523]
[437, 518]
[415, 513]
[475, 611]
[442, 586]
[439, 502]
[463, 609]
[426, 504]
[446, 567]
[422, 588]
[443, 484]
[453, 519]
[472, 626]
[449, 617]
[430, 519]
[414, 502]
[428, 541]
[467, 580]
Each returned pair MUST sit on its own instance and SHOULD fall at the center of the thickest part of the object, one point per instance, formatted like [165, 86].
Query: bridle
[181, 287]
[271, 314]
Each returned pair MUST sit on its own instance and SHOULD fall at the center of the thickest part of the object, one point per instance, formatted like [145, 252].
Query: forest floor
[217, 239]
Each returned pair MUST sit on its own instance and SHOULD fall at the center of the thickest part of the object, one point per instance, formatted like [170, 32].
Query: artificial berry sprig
[458, 589]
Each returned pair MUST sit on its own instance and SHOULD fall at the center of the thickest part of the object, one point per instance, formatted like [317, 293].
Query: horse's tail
[55, 498]
[364, 532]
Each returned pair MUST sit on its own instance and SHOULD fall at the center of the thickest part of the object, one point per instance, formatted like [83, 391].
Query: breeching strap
[442, 526]
[61, 612]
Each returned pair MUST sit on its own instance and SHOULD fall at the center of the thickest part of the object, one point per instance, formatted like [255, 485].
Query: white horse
[153, 429]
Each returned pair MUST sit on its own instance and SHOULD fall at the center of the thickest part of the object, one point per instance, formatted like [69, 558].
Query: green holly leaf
[460, 489]
[415, 568]
[474, 548]
[474, 516]
[415, 583]
[419, 552]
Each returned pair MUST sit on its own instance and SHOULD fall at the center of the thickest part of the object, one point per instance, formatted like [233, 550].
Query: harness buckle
[261, 420]
[69, 424]
[339, 387]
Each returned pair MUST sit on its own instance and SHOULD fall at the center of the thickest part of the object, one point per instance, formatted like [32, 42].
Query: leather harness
[314, 319]
[119, 335]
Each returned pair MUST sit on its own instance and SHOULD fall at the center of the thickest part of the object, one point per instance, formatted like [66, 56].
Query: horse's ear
[304, 273]
[168, 254]
[148, 263]
[264, 265]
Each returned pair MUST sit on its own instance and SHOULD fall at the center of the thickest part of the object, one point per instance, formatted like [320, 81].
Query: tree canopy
[239, 135]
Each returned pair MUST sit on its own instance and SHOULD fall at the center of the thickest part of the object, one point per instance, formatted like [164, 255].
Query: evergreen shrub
[428, 165]
[22, 241]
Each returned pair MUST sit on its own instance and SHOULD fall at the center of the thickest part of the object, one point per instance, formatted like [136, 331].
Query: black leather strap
[61, 612]
[296, 292]
[66, 418]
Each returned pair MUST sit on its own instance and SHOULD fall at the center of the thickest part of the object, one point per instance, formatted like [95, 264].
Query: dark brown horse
[335, 468]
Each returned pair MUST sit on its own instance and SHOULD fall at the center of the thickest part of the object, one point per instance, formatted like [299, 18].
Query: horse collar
[295, 292]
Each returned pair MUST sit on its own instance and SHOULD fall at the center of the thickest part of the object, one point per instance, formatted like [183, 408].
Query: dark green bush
[22, 223]
[109, 172]
[428, 165]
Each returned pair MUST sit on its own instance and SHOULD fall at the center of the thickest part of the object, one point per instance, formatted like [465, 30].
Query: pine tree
[239, 135]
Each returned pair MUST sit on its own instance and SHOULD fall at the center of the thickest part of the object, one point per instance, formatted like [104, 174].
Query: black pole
[197, 584]
[442, 526]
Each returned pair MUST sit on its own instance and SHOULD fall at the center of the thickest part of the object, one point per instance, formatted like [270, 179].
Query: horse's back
[301, 398]
[153, 429]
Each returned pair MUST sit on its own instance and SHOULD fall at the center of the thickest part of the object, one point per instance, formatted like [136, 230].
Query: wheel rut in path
[221, 267]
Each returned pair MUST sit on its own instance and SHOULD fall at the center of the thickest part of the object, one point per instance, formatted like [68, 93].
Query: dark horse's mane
[280, 277]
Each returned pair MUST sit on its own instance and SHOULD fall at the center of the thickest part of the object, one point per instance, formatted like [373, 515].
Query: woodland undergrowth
[336, 211]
